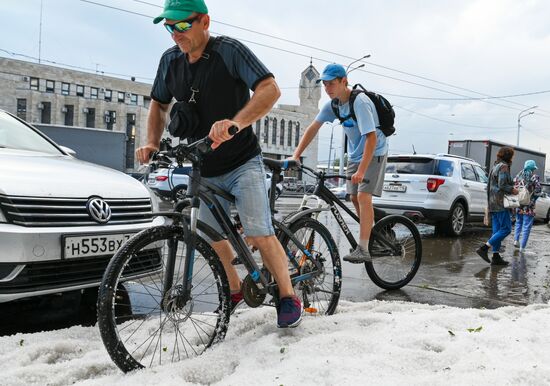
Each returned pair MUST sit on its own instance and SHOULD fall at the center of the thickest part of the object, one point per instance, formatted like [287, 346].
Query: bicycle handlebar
[202, 146]
[322, 175]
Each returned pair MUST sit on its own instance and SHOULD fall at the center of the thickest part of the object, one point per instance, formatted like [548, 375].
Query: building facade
[44, 94]
[280, 131]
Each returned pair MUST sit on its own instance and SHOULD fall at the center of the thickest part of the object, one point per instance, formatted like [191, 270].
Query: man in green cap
[221, 96]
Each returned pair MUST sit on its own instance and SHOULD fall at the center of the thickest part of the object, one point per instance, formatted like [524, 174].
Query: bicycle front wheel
[396, 250]
[321, 292]
[144, 324]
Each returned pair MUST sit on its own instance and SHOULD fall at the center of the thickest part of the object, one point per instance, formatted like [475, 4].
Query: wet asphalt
[451, 274]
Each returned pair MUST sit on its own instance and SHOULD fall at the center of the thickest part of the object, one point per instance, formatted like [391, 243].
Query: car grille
[64, 212]
[46, 275]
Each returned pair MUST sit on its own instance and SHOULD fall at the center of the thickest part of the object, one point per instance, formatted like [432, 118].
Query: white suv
[444, 190]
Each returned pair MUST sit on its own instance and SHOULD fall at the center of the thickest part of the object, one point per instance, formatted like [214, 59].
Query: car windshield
[16, 135]
[419, 165]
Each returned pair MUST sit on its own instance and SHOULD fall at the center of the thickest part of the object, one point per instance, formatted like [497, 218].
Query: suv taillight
[434, 183]
[161, 178]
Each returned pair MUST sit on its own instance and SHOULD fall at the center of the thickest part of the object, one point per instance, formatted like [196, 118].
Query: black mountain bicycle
[395, 244]
[182, 305]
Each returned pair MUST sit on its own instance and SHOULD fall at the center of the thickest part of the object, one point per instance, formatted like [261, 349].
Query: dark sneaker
[289, 312]
[498, 260]
[483, 252]
[358, 256]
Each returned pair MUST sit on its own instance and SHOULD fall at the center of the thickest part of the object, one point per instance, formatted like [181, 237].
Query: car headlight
[2, 217]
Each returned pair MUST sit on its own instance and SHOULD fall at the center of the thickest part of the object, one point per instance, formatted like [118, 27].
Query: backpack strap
[335, 104]
[200, 70]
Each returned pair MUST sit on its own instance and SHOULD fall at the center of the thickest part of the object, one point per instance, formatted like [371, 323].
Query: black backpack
[386, 115]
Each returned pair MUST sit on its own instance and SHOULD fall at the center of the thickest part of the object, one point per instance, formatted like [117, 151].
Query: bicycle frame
[321, 192]
[200, 188]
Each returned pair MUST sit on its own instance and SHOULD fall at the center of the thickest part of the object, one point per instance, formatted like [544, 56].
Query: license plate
[96, 245]
[395, 188]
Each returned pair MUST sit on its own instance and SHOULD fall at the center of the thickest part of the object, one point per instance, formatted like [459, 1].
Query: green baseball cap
[180, 9]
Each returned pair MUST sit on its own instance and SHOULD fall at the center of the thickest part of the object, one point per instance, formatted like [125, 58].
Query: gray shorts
[373, 181]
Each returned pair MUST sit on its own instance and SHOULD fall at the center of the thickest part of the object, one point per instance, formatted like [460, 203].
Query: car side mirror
[68, 150]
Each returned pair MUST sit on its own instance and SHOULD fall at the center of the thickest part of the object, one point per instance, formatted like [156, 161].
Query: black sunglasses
[181, 26]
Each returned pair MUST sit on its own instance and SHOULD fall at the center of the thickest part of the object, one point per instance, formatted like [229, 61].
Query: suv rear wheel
[179, 192]
[454, 225]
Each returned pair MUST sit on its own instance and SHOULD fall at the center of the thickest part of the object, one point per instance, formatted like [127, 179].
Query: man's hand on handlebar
[219, 133]
[143, 154]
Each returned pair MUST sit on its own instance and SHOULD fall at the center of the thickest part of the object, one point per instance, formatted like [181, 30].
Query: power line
[485, 96]
[438, 98]
[73, 66]
[328, 61]
[455, 123]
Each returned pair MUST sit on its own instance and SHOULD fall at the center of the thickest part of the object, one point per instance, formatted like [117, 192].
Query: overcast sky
[481, 47]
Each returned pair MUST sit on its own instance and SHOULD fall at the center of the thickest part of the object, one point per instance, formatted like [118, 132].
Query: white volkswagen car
[62, 219]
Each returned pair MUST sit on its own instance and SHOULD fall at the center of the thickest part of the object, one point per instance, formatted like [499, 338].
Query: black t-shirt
[227, 76]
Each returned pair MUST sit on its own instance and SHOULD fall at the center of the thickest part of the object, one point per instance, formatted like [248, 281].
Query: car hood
[34, 174]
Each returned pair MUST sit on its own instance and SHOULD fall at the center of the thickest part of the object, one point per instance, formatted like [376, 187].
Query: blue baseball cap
[530, 165]
[332, 71]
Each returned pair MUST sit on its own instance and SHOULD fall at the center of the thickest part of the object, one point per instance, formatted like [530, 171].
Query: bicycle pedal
[311, 310]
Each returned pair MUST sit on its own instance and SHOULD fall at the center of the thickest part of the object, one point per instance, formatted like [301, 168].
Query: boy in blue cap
[367, 150]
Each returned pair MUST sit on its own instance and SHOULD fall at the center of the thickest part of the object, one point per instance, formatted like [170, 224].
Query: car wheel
[454, 225]
[179, 192]
[547, 219]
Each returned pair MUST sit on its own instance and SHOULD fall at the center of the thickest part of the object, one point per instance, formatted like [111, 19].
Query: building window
[65, 88]
[110, 119]
[266, 130]
[274, 132]
[133, 99]
[22, 109]
[131, 140]
[68, 110]
[79, 90]
[297, 135]
[34, 84]
[46, 115]
[90, 118]
[289, 142]
[108, 95]
[50, 86]
[121, 96]
[282, 135]
[93, 92]
[146, 102]
[258, 126]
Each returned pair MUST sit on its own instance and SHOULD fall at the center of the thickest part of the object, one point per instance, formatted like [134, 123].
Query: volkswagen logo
[98, 210]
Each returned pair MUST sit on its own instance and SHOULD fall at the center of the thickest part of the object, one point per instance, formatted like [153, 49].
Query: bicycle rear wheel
[143, 324]
[320, 293]
[396, 250]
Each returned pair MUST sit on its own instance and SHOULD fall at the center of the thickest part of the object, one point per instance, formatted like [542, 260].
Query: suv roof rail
[455, 156]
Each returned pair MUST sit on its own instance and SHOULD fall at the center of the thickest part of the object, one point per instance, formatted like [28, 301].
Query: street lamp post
[521, 115]
[330, 147]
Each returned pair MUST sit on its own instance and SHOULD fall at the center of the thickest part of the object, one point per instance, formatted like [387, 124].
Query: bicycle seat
[278, 165]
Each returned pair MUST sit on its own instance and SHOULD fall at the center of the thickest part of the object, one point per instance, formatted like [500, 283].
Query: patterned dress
[532, 183]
